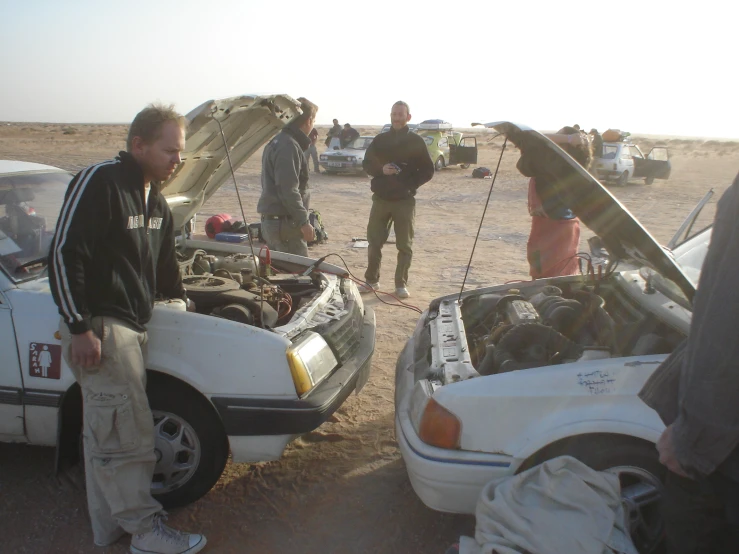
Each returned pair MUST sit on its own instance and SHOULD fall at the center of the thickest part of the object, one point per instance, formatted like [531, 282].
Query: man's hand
[86, 349]
[307, 230]
[389, 169]
[666, 450]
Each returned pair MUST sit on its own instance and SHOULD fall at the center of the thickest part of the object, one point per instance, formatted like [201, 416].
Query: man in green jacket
[285, 225]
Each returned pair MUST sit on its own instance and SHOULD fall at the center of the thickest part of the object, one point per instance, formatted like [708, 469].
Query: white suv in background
[623, 161]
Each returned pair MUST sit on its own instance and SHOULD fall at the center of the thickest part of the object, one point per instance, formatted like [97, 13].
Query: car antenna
[213, 112]
[459, 298]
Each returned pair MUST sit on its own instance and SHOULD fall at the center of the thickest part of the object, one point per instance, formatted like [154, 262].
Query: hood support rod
[461, 290]
[243, 215]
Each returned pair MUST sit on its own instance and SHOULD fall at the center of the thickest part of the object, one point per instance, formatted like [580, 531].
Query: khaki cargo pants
[118, 431]
[401, 214]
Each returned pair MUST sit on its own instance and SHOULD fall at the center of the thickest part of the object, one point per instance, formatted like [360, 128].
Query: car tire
[464, 166]
[623, 179]
[636, 462]
[439, 165]
[649, 180]
[187, 429]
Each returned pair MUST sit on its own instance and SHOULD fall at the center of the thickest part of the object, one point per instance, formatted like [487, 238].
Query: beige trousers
[118, 431]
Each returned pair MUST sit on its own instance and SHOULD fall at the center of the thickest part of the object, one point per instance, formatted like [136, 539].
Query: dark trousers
[701, 517]
[400, 214]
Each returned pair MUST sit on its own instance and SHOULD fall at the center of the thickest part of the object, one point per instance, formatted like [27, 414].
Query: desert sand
[342, 488]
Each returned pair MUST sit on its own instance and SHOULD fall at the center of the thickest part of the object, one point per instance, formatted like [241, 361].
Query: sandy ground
[342, 488]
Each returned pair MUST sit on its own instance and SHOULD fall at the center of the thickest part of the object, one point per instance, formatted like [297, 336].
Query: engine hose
[508, 350]
[600, 322]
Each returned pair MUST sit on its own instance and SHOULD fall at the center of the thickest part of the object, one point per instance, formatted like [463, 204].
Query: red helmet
[217, 224]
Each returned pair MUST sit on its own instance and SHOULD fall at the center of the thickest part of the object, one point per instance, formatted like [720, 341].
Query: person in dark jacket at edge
[285, 225]
[555, 231]
[112, 253]
[696, 394]
[398, 162]
[348, 134]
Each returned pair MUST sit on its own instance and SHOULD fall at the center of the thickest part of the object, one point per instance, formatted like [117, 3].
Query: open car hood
[248, 122]
[623, 235]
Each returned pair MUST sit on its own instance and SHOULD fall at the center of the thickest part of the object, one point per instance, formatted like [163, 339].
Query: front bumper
[265, 416]
[445, 480]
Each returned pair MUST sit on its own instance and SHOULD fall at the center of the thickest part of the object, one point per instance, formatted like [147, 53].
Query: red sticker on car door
[45, 361]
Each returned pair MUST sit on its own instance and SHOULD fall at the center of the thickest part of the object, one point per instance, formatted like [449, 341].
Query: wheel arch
[573, 441]
[574, 429]
[70, 416]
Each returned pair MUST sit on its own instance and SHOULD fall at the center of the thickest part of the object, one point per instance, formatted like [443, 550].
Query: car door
[659, 162]
[444, 149]
[11, 382]
[626, 162]
[465, 153]
[640, 166]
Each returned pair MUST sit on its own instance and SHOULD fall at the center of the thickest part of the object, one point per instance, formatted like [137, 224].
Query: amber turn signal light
[439, 427]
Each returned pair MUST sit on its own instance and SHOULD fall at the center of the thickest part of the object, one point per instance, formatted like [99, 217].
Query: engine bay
[514, 329]
[241, 287]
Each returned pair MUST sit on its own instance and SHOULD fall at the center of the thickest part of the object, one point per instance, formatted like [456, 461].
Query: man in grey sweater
[285, 225]
[696, 393]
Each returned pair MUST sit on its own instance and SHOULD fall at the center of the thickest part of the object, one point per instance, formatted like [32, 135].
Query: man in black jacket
[347, 135]
[399, 163]
[696, 394]
[112, 252]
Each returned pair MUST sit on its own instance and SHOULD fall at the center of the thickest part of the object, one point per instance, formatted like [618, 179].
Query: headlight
[352, 158]
[353, 291]
[439, 427]
[434, 424]
[324, 158]
[311, 361]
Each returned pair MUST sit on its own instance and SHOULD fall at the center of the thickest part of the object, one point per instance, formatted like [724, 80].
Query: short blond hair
[148, 123]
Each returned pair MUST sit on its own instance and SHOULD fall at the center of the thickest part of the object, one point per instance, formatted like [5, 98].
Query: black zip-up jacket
[406, 150]
[109, 255]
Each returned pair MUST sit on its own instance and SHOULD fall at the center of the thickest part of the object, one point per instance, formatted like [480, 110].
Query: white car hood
[248, 122]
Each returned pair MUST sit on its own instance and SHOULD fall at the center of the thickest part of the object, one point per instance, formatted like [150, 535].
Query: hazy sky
[643, 66]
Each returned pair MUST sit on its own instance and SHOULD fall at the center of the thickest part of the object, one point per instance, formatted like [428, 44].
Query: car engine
[508, 331]
[238, 287]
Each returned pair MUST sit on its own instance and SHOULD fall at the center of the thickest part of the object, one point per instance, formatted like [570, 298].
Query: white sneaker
[402, 292]
[368, 287]
[165, 540]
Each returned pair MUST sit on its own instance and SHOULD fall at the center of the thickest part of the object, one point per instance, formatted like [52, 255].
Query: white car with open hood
[502, 378]
[275, 347]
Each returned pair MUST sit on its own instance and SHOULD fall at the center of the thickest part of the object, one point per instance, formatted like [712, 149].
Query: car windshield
[691, 253]
[428, 140]
[361, 143]
[30, 205]
[610, 151]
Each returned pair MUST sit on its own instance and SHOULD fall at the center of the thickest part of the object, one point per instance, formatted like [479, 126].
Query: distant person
[695, 393]
[112, 253]
[285, 225]
[555, 231]
[597, 143]
[334, 131]
[398, 162]
[312, 151]
[348, 134]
